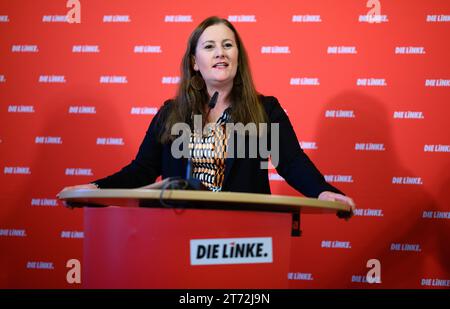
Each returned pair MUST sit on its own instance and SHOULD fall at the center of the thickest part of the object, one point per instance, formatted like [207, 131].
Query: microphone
[193, 183]
[213, 101]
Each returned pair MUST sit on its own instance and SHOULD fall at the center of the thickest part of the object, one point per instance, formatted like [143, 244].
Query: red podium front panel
[185, 248]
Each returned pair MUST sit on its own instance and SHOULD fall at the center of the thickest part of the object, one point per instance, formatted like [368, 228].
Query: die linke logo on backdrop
[219, 251]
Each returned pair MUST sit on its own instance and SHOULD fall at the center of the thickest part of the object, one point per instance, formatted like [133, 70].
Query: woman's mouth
[220, 65]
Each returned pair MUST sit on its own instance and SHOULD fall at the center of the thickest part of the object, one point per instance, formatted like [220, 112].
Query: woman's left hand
[336, 197]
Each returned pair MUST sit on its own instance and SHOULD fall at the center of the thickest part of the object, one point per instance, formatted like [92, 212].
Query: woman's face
[216, 56]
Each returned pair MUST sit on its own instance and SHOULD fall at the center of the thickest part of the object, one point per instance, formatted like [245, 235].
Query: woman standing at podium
[215, 68]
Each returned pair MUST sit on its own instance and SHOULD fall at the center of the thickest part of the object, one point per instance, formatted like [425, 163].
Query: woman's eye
[208, 46]
[228, 45]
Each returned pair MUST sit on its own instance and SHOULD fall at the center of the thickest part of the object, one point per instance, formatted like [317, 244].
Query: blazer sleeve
[146, 167]
[294, 165]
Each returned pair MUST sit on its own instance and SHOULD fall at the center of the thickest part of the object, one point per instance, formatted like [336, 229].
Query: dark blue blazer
[241, 174]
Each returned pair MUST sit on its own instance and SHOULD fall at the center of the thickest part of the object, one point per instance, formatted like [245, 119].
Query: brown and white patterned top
[208, 155]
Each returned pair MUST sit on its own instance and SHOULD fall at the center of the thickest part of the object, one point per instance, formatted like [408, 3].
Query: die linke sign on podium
[139, 238]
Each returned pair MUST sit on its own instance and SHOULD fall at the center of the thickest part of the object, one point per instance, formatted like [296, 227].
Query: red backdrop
[369, 102]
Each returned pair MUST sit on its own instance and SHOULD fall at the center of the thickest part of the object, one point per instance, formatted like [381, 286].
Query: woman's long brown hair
[246, 106]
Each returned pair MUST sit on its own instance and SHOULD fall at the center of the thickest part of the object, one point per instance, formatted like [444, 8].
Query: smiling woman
[215, 61]
[215, 41]
[216, 57]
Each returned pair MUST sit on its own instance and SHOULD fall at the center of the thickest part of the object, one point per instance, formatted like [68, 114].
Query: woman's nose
[220, 53]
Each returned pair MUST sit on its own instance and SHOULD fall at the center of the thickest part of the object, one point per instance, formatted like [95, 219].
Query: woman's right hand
[85, 186]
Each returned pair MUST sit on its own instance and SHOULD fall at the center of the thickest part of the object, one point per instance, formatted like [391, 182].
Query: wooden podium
[139, 238]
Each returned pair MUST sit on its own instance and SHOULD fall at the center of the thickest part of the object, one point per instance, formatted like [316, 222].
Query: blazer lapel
[228, 164]
[229, 160]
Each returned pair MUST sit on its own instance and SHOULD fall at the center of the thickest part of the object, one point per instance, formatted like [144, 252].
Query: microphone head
[213, 100]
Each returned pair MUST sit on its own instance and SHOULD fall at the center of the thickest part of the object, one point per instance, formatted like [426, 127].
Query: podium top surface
[198, 200]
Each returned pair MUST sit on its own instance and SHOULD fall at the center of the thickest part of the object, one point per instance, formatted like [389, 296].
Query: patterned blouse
[208, 157]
